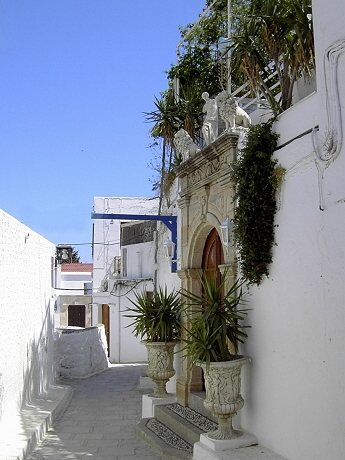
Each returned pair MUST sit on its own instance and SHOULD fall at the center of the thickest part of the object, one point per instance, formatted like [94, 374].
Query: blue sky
[75, 79]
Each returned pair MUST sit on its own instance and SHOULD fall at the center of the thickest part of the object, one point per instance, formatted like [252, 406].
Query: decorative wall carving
[208, 166]
[204, 171]
[327, 151]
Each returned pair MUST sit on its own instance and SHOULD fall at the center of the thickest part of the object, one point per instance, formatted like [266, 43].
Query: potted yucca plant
[215, 326]
[156, 320]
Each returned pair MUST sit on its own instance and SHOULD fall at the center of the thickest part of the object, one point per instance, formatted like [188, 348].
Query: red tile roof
[82, 267]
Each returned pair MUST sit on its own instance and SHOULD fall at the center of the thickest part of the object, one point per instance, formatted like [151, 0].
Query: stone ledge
[149, 402]
[33, 421]
[243, 439]
[202, 452]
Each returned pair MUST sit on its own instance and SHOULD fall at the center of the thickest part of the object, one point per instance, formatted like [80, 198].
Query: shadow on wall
[80, 352]
[39, 373]
[21, 414]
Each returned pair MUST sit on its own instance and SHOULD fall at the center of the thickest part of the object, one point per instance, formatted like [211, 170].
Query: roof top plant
[272, 43]
[274, 35]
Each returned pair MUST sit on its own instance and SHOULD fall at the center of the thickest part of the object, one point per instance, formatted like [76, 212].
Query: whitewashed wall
[123, 346]
[108, 232]
[80, 353]
[294, 388]
[26, 318]
[72, 280]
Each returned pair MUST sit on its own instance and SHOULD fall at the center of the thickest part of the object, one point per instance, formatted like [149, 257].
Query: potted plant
[156, 319]
[214, 324]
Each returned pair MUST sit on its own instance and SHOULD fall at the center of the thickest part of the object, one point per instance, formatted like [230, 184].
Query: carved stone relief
[204, 171]
[327, 151]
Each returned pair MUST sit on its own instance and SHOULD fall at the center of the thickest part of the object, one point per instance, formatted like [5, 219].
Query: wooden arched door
[213, 256]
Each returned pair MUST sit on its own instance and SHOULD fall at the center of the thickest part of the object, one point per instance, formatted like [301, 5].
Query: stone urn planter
[156, 319]
[160, 358]
[223, 394]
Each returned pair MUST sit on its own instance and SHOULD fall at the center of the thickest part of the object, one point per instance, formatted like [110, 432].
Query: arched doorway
[212, 256]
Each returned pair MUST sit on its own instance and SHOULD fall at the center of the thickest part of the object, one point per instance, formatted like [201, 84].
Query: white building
[125, 260]
[74, 294]
[294, 387]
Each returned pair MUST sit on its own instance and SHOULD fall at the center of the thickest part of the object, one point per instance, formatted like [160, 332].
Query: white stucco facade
[114, 283]
[80, 352]
[295, 392]
[294, 388]
[106, 233]
[26, 318]
[73, 286]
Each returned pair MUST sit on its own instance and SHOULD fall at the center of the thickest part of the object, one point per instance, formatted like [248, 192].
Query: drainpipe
[155, 273]
[119, 331]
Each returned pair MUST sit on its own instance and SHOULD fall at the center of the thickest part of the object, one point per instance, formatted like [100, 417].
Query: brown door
[76, 315]
[212, 256]
[105, 321]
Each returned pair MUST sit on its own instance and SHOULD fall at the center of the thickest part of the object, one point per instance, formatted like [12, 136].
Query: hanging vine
[255, 181]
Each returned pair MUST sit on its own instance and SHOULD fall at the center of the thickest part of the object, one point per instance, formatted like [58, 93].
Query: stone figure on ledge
[185, 147]
[210, 125]
[230, 112]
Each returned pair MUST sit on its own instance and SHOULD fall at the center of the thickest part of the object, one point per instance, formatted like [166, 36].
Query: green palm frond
[156, 317]
[215, 317]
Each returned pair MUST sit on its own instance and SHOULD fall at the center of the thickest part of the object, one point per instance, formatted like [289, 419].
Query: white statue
[210, 125]
[230, 112]
[184, 145]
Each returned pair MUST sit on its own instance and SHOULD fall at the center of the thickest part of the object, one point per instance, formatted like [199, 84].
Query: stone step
[184, 421]
[164, 440]
[196, 402]
[175, 430]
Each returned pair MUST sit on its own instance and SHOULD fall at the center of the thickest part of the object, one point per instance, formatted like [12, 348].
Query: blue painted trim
[169, 221]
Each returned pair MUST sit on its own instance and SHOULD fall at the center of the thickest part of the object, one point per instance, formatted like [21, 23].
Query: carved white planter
[160, 357]
[223, 395]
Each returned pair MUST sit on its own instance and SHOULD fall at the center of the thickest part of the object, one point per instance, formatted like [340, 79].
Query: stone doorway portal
[206, 199]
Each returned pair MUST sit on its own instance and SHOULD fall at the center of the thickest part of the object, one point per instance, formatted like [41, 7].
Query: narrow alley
[99, 423]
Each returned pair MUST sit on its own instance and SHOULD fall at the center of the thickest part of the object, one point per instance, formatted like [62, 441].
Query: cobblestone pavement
[99, 423]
